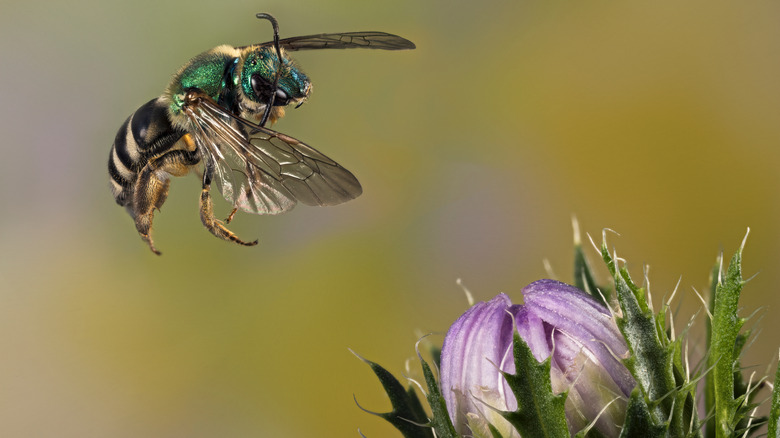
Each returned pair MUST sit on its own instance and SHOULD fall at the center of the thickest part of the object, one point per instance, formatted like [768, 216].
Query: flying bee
[212, 118]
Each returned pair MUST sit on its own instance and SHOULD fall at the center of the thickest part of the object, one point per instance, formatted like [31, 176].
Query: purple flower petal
[572, 311]
[555, 319]
[477, 341]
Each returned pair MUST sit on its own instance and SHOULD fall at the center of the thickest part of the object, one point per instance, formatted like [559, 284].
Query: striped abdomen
[147, 133]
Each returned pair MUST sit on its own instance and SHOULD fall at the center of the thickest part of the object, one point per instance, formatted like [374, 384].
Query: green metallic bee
[214, 112]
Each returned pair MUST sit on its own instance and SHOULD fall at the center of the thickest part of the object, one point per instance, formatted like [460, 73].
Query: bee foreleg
[151, 189]
[214, 225]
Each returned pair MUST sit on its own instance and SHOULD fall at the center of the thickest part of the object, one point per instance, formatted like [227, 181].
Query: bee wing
[263, 171]
[345, 40]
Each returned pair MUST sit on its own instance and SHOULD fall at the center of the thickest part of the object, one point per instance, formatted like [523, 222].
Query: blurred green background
[656, 119]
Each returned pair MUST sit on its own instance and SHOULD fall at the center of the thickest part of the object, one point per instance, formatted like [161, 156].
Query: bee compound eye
[262, 87]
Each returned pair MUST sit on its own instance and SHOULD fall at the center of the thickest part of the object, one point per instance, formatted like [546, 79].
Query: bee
[212, 117]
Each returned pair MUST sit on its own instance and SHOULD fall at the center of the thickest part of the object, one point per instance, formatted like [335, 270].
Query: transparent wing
[263, 171]
[348, 40]
[345, 40]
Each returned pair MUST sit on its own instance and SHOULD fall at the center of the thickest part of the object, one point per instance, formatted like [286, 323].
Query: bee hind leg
[151, 189]
[214, 225]
[143, 222]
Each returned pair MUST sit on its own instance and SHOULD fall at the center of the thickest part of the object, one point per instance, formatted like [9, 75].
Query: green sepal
[774, 411]
[651, 358]
[638, 421]
[583, 276]
[590, 432]
[747, 401]
[494, 432]
[723, 350]
[441, 418]
[709, 384]
[686, 385]
[408, 413]
[540, 413]
[435, 352]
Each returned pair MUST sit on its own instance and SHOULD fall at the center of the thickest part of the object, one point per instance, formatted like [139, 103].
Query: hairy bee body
[212, 116]
[146, 134]
[157, 126]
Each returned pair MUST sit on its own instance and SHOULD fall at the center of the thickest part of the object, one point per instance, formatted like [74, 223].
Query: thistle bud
[558, 321]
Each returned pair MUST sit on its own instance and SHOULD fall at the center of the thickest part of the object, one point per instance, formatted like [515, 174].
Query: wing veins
[278, 170]
[344, 40]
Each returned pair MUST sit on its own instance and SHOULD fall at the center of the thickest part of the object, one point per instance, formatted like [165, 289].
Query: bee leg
[150, 192]
[151, 189]
[230, 216]
[214, 225]
[163, 194]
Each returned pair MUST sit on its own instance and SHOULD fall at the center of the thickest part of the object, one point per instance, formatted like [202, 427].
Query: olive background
[656, 119]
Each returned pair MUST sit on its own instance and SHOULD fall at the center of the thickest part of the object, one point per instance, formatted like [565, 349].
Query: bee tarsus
[214, 225]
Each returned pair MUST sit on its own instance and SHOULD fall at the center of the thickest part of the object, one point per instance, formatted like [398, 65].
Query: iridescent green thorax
[205, 71]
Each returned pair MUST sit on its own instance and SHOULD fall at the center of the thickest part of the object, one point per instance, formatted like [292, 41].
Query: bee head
[259, 72]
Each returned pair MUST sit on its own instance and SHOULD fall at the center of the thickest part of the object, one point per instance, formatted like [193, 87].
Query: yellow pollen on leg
[189, 142]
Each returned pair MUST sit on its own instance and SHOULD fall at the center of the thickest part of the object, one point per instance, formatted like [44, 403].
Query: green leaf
[407, 409]
[539, 412]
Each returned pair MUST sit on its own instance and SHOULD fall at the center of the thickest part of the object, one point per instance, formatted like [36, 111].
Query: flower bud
[556, 319]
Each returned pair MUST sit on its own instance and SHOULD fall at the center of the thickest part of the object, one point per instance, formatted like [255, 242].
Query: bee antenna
[275, 24]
